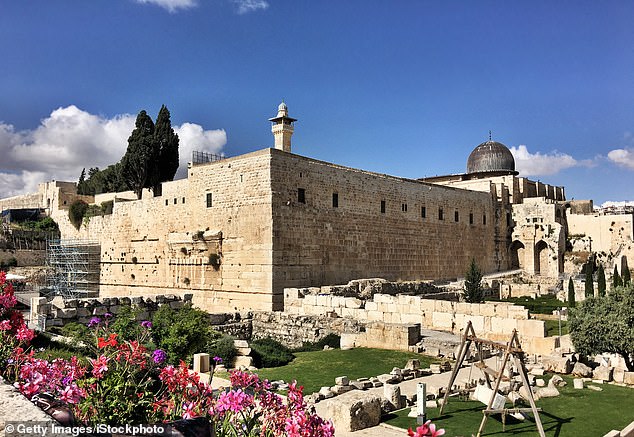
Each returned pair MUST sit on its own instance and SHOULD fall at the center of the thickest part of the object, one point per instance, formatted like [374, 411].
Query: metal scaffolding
[73, 267]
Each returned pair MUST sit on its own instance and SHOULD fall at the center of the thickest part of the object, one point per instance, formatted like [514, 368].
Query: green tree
[81, 183]
[76, 212]
[605, 325]
[616, 279]
[473, 292]
[601, 280]
[141, 156]
[167, 143]
[589, 282]
[625, 272]
[571, 293]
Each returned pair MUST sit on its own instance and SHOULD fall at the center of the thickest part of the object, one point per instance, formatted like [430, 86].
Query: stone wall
[245, 212]
[332, 224]
[294, 329]
[60, 312]
[609, 235]
[209, 235]
[25, 201]
[493, 320]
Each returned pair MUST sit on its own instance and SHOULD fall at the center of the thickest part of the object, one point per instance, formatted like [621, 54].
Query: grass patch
[574, 413]
[540, 305]
[552, 327]
[314, 370]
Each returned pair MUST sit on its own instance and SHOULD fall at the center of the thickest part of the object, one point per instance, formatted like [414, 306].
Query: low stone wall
[60, 312]
[493, 320]
[366, 288]
[293, 330]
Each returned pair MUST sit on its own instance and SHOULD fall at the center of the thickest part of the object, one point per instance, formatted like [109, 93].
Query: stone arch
[541, 257]
[516, 252]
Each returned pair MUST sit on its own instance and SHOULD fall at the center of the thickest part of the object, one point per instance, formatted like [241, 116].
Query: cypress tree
[81, 183]
[571, 293]
[472, 284]
[589, 283]
[167, 144]
[601, 281]
[626, 277]
[616, 279]
[141, 155]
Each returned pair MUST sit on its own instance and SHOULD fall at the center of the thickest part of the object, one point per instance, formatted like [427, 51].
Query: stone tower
[282, 128]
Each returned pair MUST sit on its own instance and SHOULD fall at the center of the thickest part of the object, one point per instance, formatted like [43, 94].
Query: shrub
[106, 207]
[222, 347]
[181, 333]
[78, 332]
[76, 212]
[331, 340]
[267, 352]
[214, 260]
[125, 324]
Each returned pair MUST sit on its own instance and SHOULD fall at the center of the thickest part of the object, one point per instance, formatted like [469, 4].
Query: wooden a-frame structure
[511, 349]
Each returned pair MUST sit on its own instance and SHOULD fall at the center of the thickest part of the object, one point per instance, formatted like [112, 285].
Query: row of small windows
[301, 198]
[167, 201]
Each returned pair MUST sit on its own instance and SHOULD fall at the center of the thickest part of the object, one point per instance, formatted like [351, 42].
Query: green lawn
[314, 370]
[574, 413]
[540, 305]
[552, 328]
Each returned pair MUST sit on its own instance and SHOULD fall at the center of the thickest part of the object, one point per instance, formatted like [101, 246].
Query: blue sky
[407, 88]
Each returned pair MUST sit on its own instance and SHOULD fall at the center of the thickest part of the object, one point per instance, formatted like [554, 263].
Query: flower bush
[129, 383]
[14, 334]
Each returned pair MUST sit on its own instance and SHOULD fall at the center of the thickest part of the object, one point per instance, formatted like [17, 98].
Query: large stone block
[442, 320]
[503, 326]
[531, 328]
[603, 373]
[353, 302]
[557, 364]
[354, 411]
[392, 393]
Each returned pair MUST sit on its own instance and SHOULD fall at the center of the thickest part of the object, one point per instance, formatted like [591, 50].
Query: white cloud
[193, 137]
[622, 157]
[246, 6]
[538, 164]
[171, 5]
[70, 139]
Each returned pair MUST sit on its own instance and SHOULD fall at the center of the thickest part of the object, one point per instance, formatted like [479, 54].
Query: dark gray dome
[490, 156]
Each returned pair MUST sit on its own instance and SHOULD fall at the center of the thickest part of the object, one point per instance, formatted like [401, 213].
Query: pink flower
[99, 366]
[71, 394]
[235, 401]
[24, 334]
[188, 410]
[428, 429]
[5, 325]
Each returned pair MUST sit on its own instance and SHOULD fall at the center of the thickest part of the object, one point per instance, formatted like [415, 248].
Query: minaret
[282, 128]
